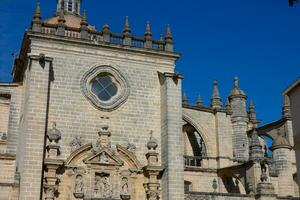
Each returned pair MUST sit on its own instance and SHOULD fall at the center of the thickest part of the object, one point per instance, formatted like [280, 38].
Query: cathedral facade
[96, 115]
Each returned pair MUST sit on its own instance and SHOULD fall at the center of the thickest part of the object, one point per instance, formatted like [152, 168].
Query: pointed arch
[199, 130]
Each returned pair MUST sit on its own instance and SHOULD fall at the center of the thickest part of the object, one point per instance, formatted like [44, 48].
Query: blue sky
[253, 39]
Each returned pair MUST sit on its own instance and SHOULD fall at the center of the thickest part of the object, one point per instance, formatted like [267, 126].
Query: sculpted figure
[98, 185]
[107, 187]
[125, 190]
[79, 184]
[103, 158]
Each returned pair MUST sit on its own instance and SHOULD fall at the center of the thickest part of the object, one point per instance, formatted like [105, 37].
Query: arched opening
[194, 146]
[233, 185]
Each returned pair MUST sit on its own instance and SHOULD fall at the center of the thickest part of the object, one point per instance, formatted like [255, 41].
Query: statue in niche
[98, 185]
[107, 187]
[103, 158]
[103, 187]
[79, 184]
[124, 186]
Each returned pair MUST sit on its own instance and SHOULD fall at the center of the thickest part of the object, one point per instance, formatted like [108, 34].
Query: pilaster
[35, 126]
[172, 141]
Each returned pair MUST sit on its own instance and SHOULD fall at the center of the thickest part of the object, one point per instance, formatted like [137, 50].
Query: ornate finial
[127, 29]
[256, 153]
[161, 38]
[37, 14]
[184, 98]
[84, 20]
[252, 112]
[169, 36]
[251, 106]
[53, 134]
[152, 143]
[148, 33]
[61, 18]
[286, 109]
[199, 100]
[215, 185]
[216, 101]
[106, 28]
[236, 82]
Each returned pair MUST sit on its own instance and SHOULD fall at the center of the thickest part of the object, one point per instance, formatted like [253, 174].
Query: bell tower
[69, 6]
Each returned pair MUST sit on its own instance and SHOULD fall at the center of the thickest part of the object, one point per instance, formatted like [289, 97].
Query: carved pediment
[104, 157]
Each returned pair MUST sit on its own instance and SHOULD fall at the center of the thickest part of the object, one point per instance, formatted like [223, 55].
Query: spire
[256, 152]
[161, 38]
[84, 19]
[127, 29]
[37, 14]
[199, 100]
[252, 112]
[237, 92]
[286, 109]
[236, 82]
[36, 21]
[148, 34]
[216, 101]
[61, 18]
[168, 37]
[84, 27]
[184, 98]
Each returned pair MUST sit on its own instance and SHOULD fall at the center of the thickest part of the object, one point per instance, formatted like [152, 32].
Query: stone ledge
[7, 156]
[217, 194]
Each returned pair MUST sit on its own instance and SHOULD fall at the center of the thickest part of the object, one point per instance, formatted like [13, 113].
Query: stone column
[172, 138]
[282, 160]
[34, 129]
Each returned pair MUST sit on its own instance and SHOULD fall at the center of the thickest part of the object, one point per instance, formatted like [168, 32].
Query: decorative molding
[117, 100]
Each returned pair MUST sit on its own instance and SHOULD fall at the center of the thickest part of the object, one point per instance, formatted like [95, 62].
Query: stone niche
[101, 173]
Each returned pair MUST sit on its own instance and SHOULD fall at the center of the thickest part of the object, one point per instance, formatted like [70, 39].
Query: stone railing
[193, 161]
[216, 196]
[99, 37]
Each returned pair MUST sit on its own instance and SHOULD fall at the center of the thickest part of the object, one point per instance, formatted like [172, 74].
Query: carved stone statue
[98, 185]
[103, 187]
[264, 175]
[79, 187]
[79, 184]
[107, 187]
[103, 158]
[125, 187]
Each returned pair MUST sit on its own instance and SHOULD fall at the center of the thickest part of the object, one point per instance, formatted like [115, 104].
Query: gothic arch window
[194, 146]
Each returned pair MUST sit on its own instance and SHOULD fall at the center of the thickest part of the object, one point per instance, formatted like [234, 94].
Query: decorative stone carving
[130, 147]
[50, 192]
[103, 187]
[124, 187]
[79, 187]
[152, 170]
[264, 175]
[103, 158]
[104, 134]
[76, 143]
[53, 134]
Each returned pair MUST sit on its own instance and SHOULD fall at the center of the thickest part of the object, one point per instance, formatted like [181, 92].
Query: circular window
[105, 87]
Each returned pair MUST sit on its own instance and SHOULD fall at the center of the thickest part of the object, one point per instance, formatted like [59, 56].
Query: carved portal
[97, 170]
